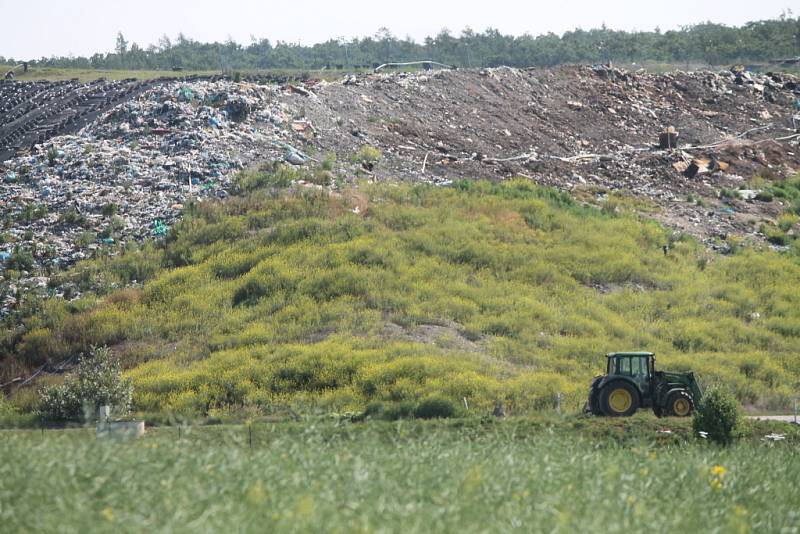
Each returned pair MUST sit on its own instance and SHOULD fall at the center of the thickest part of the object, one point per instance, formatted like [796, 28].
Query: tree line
[709, 43]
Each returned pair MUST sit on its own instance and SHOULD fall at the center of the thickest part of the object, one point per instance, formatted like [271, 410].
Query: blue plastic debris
[4, 256]
[10, 177]
[159, 228]
[108, 240]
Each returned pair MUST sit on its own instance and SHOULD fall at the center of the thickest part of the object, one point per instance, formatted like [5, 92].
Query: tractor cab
[632, 382]
[631, 363]
[639, 366]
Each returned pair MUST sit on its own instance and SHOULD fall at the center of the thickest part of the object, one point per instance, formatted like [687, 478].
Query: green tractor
[632, 382]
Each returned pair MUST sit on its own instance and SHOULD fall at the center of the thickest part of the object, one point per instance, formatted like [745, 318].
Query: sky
[35, 28]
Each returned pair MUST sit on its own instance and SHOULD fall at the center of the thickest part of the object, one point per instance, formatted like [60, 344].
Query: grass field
[284, 297]
[87, 75]
[465, 476]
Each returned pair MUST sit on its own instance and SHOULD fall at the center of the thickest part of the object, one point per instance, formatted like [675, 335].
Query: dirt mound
[575, 127]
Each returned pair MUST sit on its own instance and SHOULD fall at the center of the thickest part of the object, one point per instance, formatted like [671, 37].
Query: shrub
[21, 260]
[368, 155]
[400, 410]
[6, 409]
[719, 414]
[391, 412]
[435, 407]
[96, 381]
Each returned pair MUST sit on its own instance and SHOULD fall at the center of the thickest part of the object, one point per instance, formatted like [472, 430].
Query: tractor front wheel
[680, 404]
[619, 399]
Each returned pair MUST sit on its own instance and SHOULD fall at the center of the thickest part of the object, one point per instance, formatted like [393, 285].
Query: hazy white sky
[35, 28]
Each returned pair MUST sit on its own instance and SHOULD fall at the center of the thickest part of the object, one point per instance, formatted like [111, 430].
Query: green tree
[96, 381]
[719, 416]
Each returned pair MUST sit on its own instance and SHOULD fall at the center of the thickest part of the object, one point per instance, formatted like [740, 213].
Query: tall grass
[404, 477]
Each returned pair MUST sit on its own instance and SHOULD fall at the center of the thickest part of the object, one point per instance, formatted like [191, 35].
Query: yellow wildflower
[717, 480]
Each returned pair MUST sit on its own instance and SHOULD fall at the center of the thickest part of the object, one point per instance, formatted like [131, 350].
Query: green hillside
[290, 297]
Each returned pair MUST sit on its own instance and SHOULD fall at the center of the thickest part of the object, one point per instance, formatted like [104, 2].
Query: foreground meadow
[458, 476]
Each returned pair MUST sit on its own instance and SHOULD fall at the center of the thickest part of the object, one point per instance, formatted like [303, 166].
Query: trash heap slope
[576, 128]
[127, 175]
[140, 152]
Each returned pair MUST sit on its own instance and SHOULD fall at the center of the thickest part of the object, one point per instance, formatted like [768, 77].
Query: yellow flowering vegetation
[284, 297]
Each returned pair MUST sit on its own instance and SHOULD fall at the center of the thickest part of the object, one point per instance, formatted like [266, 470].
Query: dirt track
[784, 418]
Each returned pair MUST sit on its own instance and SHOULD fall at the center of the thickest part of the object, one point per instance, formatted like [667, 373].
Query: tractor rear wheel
[593, 404]
[619, 399]
[680, 404]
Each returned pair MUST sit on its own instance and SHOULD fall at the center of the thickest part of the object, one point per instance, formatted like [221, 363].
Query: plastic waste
[159, 228]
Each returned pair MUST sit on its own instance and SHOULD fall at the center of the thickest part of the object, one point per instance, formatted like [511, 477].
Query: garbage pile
[589, 129]
[128, 175]
[675, 140]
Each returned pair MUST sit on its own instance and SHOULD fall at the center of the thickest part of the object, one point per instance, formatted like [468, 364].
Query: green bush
[96, 381]
[719, 415]
[435, 407]
[390, 412]
[368, 155]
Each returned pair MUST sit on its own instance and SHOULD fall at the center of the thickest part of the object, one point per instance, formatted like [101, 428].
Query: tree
[96, 381]
[719, 416]
[122, 45]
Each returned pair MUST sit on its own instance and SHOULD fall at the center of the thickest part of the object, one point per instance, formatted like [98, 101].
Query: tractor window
[624, 366]
[638, 367]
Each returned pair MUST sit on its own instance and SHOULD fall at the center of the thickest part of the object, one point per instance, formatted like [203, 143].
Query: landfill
[128, 175]
[131, 161]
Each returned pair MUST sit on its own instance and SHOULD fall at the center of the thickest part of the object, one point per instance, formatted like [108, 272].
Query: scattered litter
[748, 194]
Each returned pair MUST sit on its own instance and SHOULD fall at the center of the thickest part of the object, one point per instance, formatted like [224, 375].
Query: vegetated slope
[297, 297]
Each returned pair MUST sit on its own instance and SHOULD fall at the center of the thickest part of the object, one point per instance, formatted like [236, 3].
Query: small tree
[97, 381]
[719, 414]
